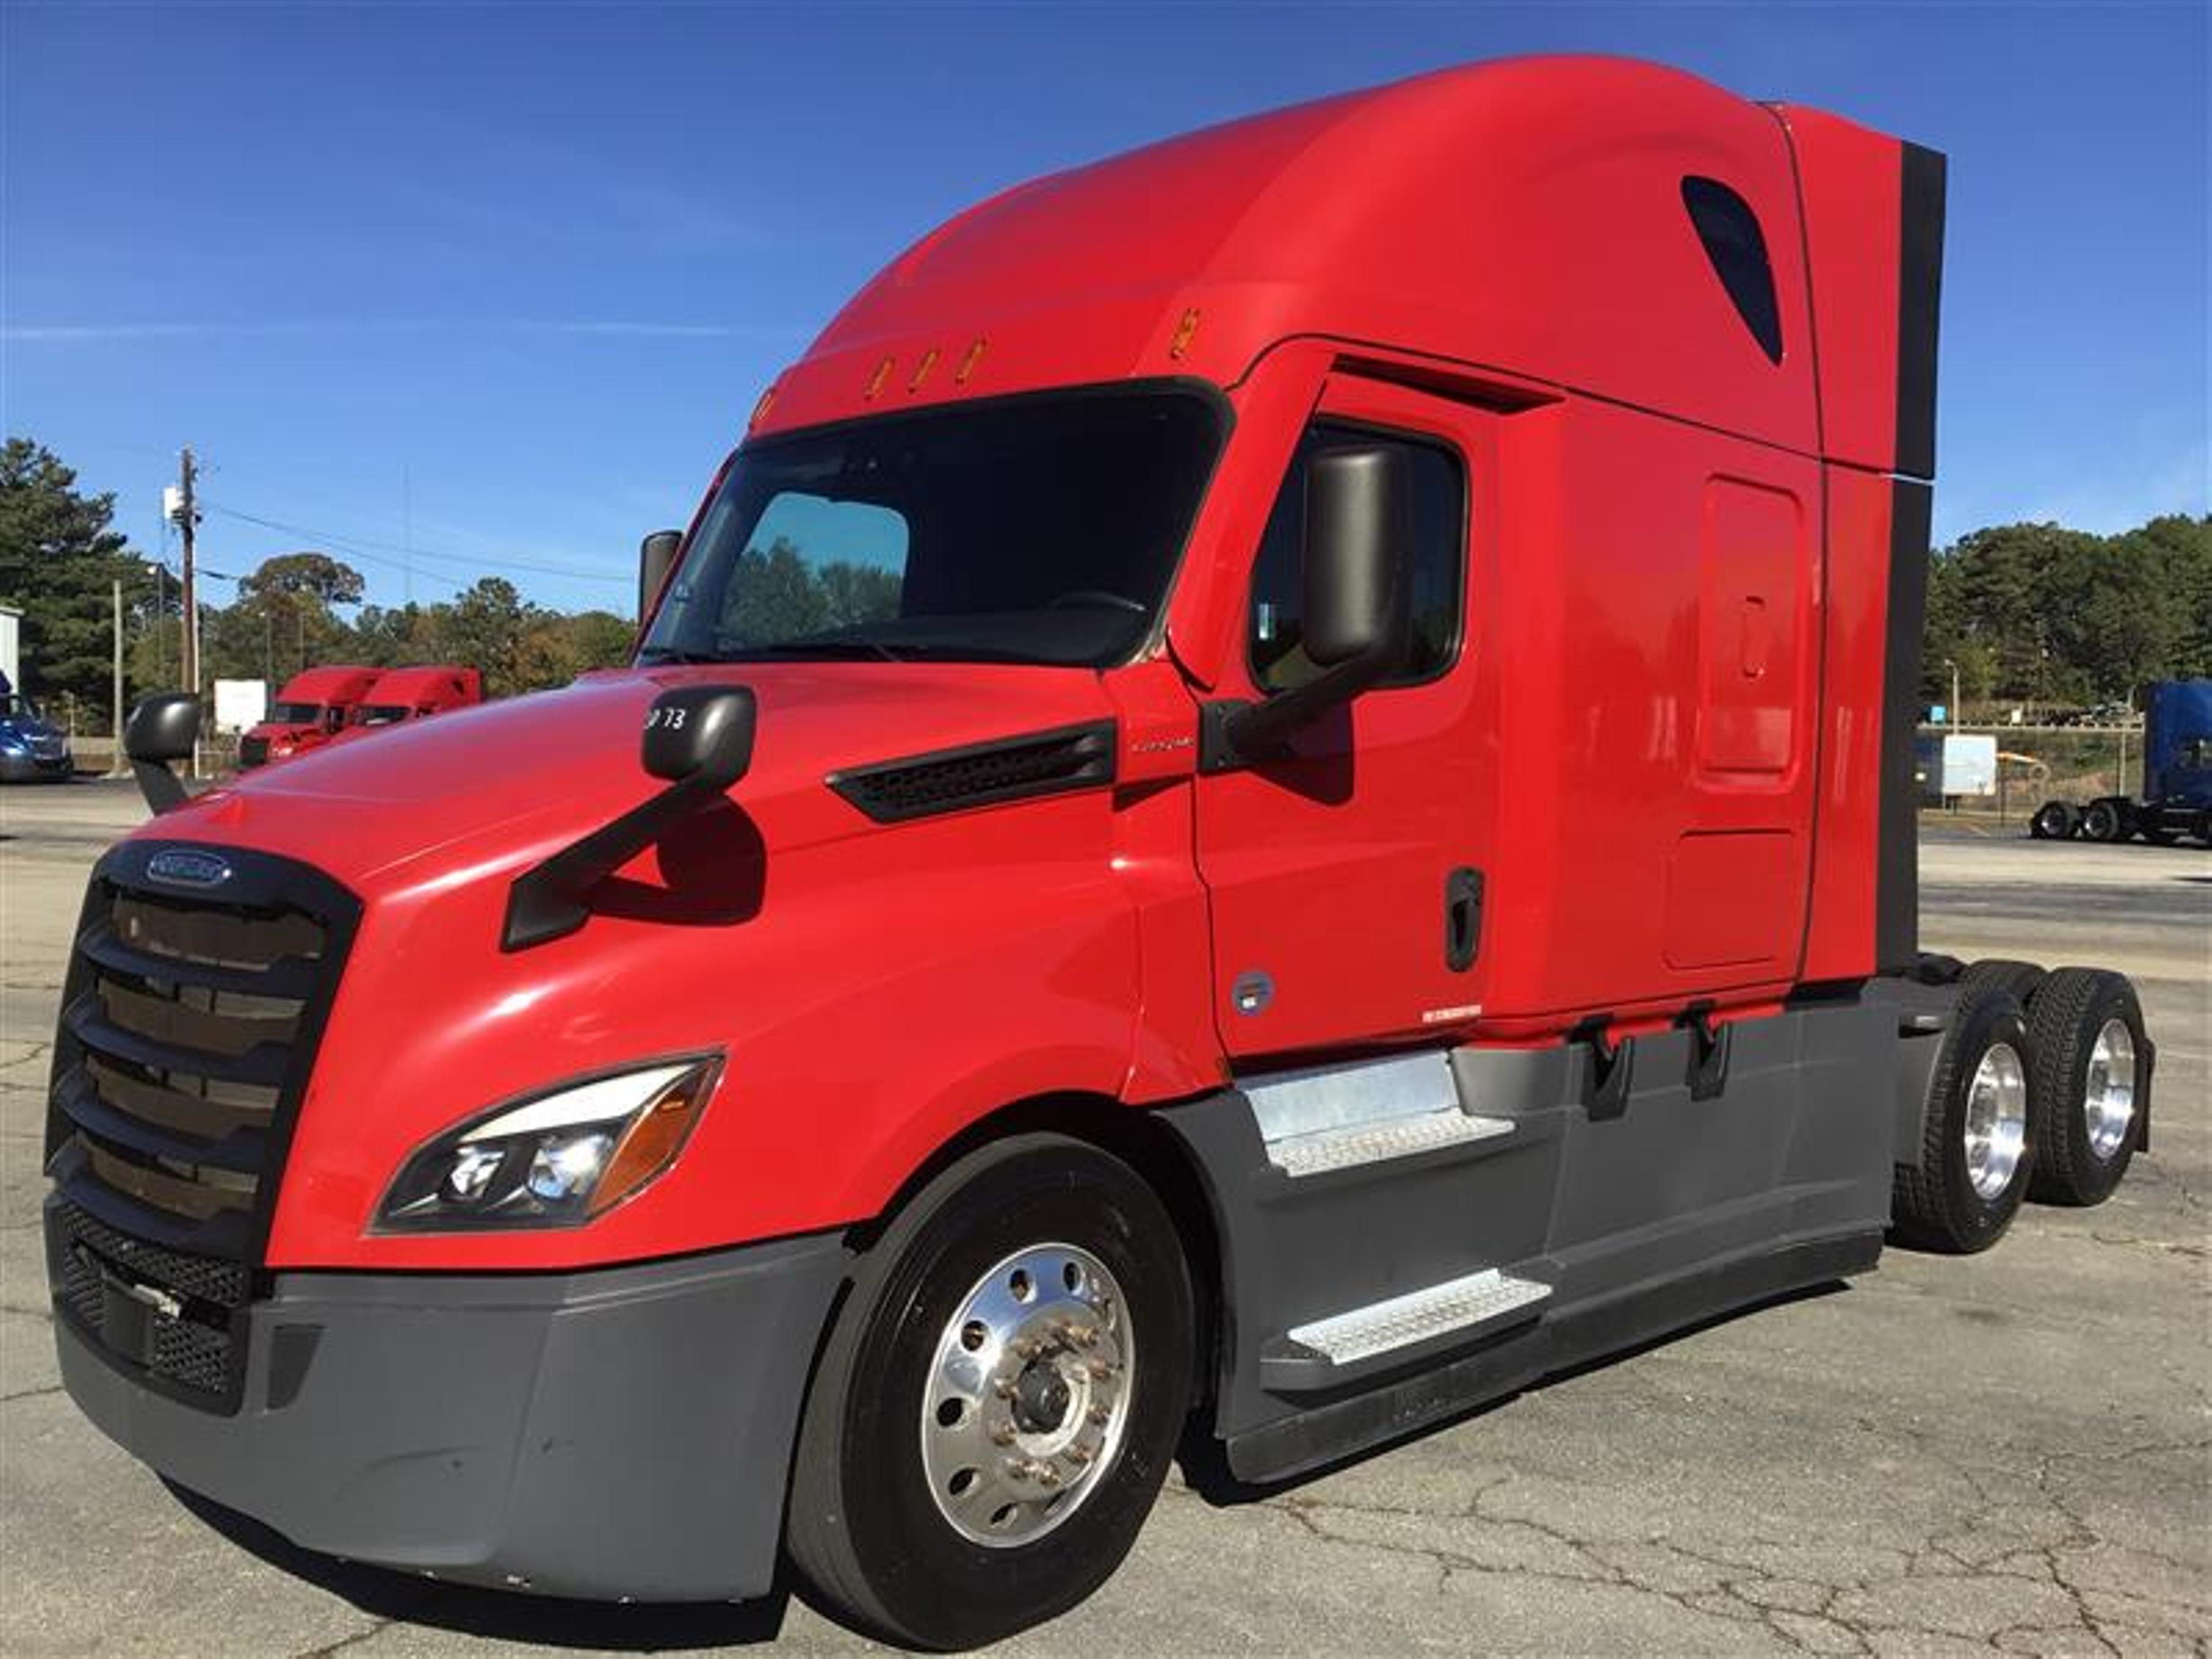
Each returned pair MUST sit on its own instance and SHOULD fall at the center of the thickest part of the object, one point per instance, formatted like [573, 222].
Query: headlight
[556, 1159]
[12, 744]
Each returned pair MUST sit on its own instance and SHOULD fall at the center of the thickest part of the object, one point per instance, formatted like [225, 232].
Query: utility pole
[116, 769]
[187, 522]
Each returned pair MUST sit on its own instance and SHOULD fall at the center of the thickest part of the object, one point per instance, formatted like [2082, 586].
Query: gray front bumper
[625, 1432]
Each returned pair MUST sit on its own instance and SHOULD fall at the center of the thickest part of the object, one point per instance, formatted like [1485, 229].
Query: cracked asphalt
[2009, 1453]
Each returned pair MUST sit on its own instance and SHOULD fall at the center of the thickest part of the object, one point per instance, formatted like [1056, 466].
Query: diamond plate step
[1458, 1304]
[1374, 1143]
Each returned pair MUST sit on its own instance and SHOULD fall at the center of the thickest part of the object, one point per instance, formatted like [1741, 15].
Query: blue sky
[502, 282]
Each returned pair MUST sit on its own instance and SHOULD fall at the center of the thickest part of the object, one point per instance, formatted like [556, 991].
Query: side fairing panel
[1840, 941]
[1658, 682]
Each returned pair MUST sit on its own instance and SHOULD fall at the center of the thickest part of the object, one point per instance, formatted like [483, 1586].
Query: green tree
[486, 627]
[59, 556]
[284, 619]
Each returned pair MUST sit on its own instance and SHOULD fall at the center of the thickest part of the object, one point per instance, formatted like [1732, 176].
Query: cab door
[1346, 879]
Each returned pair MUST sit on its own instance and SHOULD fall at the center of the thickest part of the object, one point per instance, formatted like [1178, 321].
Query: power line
[358, 543]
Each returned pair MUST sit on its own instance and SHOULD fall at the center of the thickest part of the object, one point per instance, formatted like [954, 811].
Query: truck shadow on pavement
[503, 1615]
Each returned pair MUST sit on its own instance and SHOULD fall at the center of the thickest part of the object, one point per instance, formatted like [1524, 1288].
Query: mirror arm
[547, 901]
[1235, 734]
[163, 789]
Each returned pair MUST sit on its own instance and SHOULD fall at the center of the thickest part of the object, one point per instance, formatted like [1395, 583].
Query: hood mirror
[697, 737]
[162, 730]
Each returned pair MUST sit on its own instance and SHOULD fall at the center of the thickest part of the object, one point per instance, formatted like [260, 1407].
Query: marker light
[556, 1159]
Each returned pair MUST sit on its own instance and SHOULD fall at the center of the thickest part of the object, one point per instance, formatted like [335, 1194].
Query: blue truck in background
[33, 749]
[2176, 799]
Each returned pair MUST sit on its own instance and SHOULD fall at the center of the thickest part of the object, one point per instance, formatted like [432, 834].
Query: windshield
[296, 714]
[12, 707]
[380, 714]
[1034, 530]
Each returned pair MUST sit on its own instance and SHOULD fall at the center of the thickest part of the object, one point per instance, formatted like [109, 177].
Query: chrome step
[1373, 1143]
[1457, 1305]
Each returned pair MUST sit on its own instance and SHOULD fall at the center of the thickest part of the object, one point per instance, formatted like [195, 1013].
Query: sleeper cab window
[1275, 628]
[1733, 242]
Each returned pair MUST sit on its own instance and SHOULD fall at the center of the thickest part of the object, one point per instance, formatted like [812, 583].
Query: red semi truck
[1274, 797]
[401, 695]
[313, 708]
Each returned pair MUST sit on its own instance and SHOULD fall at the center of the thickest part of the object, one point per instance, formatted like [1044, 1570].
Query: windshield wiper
[850, 648]
[662, 653]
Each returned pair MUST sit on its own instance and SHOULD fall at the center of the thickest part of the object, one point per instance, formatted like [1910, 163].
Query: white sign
[240, 704]
[1970, 763]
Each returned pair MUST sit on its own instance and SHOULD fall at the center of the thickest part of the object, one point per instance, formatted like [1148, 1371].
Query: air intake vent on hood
[982, 775]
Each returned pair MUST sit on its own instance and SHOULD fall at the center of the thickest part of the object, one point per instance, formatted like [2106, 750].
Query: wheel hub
[2108, 1102]
[1996, 1120]
[1028, 1396]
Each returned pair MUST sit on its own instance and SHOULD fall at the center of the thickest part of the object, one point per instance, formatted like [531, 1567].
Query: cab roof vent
[982, 775]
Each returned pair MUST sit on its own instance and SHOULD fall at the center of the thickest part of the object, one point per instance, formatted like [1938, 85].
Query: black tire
[865, 1531]
[1937, 1206]
[2102, 820]
[2021, 979]
[2063, 1028]
[2054, 820]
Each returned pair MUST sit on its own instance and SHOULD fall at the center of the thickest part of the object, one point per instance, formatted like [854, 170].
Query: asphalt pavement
[2008, 1453]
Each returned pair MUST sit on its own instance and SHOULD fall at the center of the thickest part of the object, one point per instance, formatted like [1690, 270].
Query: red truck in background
[400, 695]
[1273, 798]
[313, 708]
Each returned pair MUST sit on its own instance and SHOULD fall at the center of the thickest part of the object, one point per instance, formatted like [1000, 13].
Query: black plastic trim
[1092, 749]
[1919, 301]
[1897, 871]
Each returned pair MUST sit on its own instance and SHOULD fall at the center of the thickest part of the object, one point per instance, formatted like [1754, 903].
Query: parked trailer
[1336, 836]
[2177, 798]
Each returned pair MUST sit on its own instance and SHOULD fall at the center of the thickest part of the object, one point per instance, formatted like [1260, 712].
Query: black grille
[983, 774]
[188, 1028]
[172, 1317]
[252, 752]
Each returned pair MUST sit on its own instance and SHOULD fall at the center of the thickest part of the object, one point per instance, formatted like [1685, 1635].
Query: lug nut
[1100, 1416]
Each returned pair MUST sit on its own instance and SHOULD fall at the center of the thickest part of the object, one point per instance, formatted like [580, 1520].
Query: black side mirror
[700, 730]
[656, 554]
[161, 729]
[1358, 533]
[1358, 596]
[700, 739]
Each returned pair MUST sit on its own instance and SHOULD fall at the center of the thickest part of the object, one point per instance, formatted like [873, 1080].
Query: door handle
[1463, 918]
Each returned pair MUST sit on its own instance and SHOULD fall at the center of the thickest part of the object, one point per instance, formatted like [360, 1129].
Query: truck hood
[507, 782]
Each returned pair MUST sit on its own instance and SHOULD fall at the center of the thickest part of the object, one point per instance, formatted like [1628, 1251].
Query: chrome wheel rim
[1996, 1119]
[2108, 1097]
[1029, 1395]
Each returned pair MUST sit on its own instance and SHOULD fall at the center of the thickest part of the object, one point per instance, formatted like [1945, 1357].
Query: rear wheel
[1974, 1151]
[2101, 821]
[999, 1400]
[2054, 820]
[2021, 979]
[2091, 1084]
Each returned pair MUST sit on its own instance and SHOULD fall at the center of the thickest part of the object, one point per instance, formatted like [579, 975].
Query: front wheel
[999, 1400]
